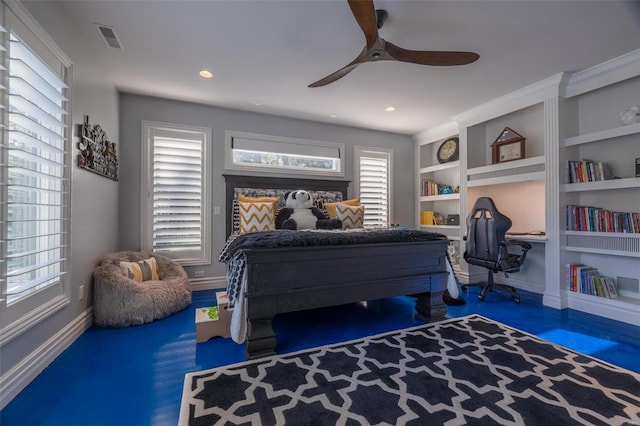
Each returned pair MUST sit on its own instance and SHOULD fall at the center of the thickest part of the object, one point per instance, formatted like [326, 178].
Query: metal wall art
[97, 153]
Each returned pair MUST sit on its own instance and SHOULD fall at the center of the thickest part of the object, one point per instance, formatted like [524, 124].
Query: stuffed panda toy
[299, 213]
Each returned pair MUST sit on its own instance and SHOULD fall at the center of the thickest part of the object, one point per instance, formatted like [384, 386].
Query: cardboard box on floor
[207, 328]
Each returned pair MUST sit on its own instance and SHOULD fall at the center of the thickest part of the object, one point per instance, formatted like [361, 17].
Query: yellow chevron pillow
[244, 199]
[143, 270]
[257, 216]
[352, 217]
[331, 207]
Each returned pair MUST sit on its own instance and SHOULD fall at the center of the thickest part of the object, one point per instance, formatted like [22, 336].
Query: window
[373, 184]
[247, 151]
[35, 174]
[176, 192]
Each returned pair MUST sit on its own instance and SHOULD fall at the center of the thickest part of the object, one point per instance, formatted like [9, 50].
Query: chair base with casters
[487, 246]
[490, 285]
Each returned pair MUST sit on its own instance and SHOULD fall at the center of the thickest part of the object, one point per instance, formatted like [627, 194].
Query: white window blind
[176, 191]
[373, 168]
[36, 185]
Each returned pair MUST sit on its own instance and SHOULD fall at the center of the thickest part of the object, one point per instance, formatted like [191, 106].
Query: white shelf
[456, 227]
[525, 162]
[608, 243]
[621, 308]
[443, 197]
[521, 177]
[616, 132]
[438, 167]
[602, 185]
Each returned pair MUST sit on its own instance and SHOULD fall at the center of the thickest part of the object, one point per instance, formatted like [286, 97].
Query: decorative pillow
[244, 199]
[352, 217]
[257, 216]
[331, 207]
[143, 270]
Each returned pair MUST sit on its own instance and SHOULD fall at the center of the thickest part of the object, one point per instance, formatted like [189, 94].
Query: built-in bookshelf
[600, 194]
[515, 184]
[437, 184]
[571, 120]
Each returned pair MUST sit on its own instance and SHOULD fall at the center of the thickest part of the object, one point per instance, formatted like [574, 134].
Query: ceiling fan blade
[362, 57]
[365, 15]
[425, 57]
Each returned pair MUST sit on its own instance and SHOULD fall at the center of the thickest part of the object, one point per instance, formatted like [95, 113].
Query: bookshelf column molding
[463, 275]
[553, 296]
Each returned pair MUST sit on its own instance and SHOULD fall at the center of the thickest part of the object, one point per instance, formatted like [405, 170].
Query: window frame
[149, 129]
[304, 144]
[360, 151]
[23, 314]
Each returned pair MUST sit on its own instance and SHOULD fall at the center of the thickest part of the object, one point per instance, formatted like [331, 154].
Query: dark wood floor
[134, 375]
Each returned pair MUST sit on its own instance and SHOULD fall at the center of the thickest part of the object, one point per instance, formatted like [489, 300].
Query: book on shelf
[426, 217]
[587, 171]
[587, 280]
[430, 187]
[595, 219]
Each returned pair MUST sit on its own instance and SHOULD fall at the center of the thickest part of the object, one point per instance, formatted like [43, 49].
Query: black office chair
[487, 247]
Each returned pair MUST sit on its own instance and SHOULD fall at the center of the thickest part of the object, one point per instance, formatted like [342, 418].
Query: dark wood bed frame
[299, 278]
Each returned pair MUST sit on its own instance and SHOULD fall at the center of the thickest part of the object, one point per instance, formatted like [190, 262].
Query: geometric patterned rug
[469, 370]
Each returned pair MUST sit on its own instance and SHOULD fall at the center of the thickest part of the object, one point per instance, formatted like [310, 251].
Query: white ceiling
[269, 51]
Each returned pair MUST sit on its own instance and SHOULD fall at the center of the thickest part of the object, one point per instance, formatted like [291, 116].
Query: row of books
[595, 219]
[587, 171]
[587, 280]
[430, 187]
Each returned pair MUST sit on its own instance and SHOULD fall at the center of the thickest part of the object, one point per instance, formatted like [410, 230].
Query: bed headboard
[265, 182]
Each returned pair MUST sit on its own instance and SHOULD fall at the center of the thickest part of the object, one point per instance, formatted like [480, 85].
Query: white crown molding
[437, 133]
[615, 70]
[19, 376]
[514, 101]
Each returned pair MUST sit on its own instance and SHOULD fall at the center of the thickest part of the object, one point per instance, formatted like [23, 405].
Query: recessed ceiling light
[333, 115]
[257, 103]
[206, 74]
[390, 109]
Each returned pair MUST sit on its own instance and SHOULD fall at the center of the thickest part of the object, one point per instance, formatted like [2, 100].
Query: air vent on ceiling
[109, 36]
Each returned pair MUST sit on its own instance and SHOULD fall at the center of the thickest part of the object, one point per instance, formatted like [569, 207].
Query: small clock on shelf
[448, 150]
[508, 147]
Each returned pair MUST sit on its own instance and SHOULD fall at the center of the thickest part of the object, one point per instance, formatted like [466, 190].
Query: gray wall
[134, 109]
[106, 214]
[94, 198]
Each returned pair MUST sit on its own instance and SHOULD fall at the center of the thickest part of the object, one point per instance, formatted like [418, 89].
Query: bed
[283, 277]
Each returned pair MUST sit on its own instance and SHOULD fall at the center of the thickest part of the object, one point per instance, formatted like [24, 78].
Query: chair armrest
[523, 244]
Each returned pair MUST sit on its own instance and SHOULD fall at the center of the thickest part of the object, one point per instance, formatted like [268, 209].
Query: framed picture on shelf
[509, 146]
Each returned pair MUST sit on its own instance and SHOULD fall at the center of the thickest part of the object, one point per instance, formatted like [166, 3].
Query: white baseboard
[17, 378]
[208, 283]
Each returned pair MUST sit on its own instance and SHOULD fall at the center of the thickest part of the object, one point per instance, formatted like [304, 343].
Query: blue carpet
[134, 375]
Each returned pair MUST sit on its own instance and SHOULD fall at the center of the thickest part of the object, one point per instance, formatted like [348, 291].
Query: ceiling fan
[377, 49]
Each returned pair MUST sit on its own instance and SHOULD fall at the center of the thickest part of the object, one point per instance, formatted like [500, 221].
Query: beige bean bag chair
[147, 288]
